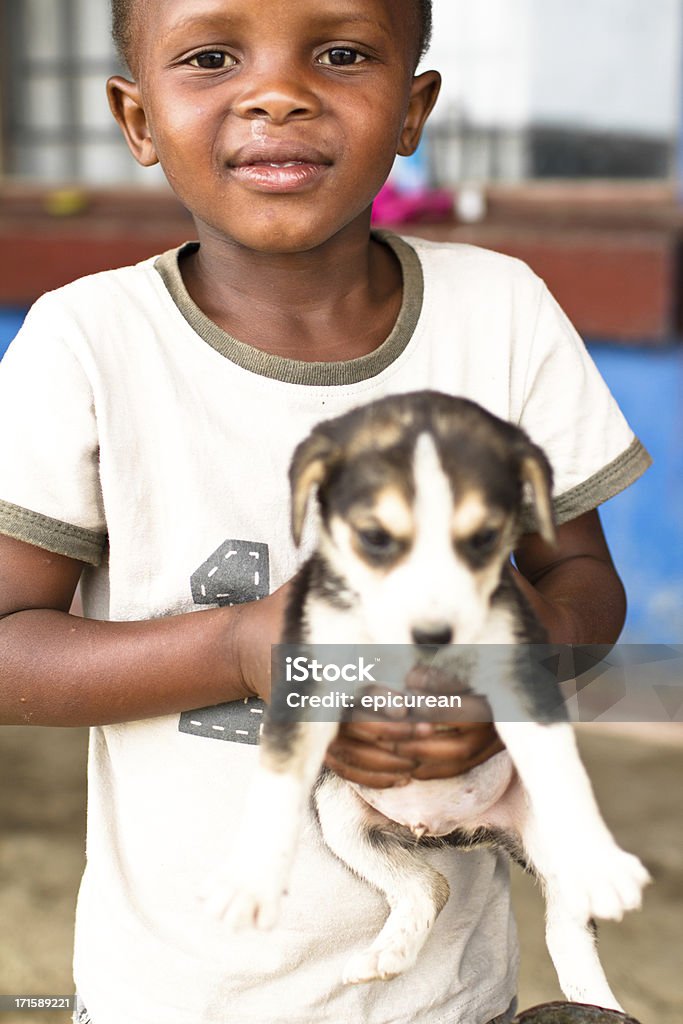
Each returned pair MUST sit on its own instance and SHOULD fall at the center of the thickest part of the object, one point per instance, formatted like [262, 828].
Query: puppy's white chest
[439, 806]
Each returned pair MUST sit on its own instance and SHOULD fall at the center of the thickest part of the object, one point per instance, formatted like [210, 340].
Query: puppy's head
[420, 499]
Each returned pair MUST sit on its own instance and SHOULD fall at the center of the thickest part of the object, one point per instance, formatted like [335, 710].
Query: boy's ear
[423, 95]
[126, 105]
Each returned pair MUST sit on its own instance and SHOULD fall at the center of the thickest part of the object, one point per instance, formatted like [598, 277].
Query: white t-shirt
[145, 441]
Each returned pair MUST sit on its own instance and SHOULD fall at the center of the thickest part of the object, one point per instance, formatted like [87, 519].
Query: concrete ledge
[610, 253]
[613, 283]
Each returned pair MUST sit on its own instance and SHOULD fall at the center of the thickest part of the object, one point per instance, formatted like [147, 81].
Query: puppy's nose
[432, 633]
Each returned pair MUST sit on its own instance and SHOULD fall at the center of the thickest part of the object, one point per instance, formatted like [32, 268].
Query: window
[56, 57]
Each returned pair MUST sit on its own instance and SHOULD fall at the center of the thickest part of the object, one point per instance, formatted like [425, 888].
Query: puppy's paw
[602, 881]
[377, 964]
[618, 883]
[245, 908]
[244, 898]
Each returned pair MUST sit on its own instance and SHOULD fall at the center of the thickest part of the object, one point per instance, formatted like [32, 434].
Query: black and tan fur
[420, 500]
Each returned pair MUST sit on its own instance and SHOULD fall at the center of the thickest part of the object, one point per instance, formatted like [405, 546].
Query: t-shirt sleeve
[50, 491]
[567, 409]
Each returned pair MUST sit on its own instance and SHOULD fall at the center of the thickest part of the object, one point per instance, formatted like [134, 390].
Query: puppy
[420, 502]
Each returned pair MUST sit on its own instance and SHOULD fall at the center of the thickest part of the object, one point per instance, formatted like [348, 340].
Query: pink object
[395, 207]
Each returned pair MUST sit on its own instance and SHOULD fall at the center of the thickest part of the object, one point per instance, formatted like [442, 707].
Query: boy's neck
[336, 302]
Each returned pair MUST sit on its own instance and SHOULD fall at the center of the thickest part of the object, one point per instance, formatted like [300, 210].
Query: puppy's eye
[483, 541]
[377, 541]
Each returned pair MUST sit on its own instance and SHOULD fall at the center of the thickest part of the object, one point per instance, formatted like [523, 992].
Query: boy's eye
[212, 60]
[341, 56]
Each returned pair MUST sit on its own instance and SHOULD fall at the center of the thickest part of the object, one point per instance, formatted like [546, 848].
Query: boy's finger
[449, 746]
[447, 767]
[370, 758]
[362, 777]
[377, 732]
[471, 709]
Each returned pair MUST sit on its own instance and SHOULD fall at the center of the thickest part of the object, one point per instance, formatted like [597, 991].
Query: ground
[638, 783]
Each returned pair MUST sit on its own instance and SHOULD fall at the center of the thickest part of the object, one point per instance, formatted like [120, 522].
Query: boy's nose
[277, 101]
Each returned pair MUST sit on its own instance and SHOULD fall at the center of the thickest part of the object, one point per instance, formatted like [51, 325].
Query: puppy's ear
[535, 471]
[309, 468]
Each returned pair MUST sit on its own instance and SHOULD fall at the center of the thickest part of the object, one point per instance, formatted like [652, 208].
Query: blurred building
[532, 89]
[56, 124]
[547, 89]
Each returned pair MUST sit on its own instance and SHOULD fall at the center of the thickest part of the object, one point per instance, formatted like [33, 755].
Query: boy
[165, 402]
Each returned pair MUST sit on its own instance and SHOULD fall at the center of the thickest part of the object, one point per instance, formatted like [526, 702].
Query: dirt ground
[639, 783]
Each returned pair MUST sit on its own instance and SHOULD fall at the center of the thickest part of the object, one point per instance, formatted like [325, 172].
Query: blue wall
[10, 322]
[644, 525]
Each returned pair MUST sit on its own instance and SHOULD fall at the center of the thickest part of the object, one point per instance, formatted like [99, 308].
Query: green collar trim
[295, 371]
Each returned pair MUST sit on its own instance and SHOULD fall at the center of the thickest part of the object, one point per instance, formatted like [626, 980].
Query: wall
[610, 64]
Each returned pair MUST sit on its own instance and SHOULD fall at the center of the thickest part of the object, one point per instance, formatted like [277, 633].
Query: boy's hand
[256, 626]
[391, 753]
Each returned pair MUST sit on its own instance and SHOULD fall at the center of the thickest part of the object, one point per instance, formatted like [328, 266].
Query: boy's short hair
[123, 28]
[425, 27]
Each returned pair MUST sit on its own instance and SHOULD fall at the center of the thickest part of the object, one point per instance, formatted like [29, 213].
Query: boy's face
[276, 122]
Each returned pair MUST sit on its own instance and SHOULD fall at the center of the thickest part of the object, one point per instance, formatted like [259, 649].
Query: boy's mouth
[271, 169]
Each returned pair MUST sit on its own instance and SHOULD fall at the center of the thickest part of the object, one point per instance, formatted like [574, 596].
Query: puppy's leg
[583, 872]
[567, 839]
[573, 950]
[569, 936]
[385, 856]
[249, 891]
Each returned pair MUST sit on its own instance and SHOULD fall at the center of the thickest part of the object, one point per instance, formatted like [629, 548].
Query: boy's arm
[59, 669]
[574, 588]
